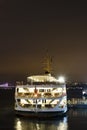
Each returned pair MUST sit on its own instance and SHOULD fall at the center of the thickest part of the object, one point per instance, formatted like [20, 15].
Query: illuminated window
[41, 90]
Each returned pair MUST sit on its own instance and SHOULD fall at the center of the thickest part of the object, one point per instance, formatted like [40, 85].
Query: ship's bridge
[42, 78]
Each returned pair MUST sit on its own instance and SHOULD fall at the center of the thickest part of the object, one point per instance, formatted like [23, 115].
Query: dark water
[74, 120]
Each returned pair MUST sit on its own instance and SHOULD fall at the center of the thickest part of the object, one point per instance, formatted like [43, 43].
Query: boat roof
[42, 78]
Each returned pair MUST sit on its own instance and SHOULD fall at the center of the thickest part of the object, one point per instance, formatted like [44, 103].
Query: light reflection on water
[78, 112]
[26, 124]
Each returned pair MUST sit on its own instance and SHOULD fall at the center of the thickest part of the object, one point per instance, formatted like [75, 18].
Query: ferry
[43, 96]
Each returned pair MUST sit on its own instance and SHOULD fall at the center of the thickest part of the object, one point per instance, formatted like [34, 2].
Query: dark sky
[29, 28]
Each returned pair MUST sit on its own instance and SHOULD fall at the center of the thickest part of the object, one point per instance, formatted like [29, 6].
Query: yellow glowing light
[35, 95]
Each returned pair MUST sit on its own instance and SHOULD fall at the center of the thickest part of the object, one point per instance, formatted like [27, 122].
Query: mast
[47, 64]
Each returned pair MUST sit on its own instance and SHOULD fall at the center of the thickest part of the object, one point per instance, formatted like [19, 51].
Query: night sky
[29, 28]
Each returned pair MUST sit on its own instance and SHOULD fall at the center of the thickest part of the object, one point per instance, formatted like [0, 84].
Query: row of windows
[40, 90]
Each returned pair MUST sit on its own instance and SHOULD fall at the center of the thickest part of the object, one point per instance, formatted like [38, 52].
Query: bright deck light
[61, 79]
